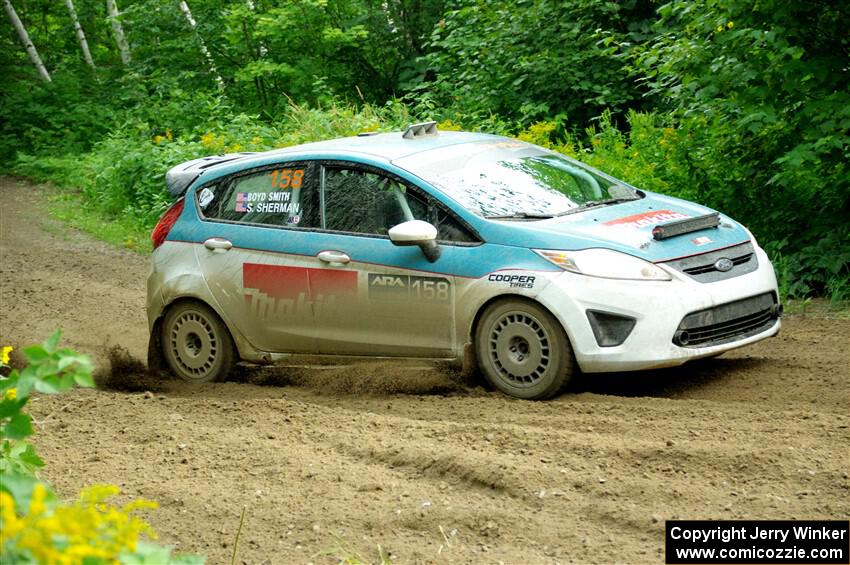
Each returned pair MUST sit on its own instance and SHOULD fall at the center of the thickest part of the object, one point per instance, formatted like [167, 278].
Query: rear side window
[284, 195]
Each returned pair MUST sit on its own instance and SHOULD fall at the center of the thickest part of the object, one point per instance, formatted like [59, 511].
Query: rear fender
[190, 286]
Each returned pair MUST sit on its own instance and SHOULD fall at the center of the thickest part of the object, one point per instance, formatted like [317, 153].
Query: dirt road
[333, 463]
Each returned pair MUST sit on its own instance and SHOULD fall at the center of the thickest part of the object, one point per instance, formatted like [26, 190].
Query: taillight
[166, 222]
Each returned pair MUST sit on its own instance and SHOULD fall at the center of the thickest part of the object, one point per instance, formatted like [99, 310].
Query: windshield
[513, 179]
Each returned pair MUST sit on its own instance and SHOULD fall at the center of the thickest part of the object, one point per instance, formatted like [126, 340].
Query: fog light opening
[610, 330]
[682, 337]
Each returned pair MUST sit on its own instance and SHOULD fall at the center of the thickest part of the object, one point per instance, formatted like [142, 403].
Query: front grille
[728, 322]
[702, 267]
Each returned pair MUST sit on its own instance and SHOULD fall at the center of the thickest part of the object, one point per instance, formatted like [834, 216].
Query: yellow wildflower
[4, 354]
[730, 25]
[718, 29]
[448, 125]
[538, 133]
[168, 134]
[158, 139]
[98, 493]
[212, 141]
[70, 534]
[39, 495]
[11, 394]
[9, 521]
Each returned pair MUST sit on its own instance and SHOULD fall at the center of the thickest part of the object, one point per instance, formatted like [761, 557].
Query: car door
[404, 304]
[256, 258]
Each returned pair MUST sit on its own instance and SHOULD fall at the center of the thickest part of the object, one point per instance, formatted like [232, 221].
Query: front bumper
[658, 308]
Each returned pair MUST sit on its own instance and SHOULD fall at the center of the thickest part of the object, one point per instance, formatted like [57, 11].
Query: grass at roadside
[71, 209]
[821, 308]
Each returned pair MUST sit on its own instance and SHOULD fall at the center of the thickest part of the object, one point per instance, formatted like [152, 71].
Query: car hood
[628, 226]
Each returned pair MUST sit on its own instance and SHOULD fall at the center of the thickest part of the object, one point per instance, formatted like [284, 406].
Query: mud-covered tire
[196, 344]
[522, 350]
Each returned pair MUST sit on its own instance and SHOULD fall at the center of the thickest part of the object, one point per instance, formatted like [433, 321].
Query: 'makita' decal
[278, 292]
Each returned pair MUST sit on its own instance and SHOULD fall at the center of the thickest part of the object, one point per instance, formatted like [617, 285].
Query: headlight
[605, 263]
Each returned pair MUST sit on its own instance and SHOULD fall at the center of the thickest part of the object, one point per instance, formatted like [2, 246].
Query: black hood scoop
[688, 225]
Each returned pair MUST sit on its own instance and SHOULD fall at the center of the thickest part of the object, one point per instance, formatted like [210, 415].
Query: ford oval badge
[723, 264]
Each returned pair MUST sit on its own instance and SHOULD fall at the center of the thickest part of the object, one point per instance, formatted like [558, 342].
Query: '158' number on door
[427, 288]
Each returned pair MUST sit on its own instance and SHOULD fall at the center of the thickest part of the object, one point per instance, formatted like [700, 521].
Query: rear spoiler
[178, 178]
[688, 225]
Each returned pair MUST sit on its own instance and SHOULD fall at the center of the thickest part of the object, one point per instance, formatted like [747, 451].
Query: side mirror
[417, 232]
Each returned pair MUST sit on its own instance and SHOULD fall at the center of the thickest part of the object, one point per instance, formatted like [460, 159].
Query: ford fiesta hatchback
[445, 245]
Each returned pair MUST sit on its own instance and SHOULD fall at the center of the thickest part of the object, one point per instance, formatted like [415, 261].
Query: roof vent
[425, 129]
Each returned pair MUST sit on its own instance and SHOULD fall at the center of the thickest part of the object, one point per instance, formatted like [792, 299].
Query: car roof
[389, 146]
[382, 146]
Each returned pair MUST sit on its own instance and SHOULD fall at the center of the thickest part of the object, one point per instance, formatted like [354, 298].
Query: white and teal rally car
[445, 245]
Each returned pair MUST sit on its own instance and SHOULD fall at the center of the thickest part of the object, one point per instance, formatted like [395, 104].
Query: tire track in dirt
[430, 466]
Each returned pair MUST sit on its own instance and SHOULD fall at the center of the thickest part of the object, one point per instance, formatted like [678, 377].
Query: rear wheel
[196, 344]
[522, 350]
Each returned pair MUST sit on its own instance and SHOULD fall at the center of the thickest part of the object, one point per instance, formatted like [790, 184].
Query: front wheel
[523, 351]
[196, 344]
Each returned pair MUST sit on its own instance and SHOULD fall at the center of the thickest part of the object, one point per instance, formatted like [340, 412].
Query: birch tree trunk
[263, 49]
[184, 7]
[25, 39]
[120, 40]
[81, 37]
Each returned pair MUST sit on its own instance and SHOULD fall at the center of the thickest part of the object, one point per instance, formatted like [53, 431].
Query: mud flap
[469, 367]
[156, 361]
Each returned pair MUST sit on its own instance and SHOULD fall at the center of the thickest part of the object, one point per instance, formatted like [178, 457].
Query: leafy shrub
[533, 59]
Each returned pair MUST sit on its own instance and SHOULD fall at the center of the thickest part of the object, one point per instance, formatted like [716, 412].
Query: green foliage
[531, 59]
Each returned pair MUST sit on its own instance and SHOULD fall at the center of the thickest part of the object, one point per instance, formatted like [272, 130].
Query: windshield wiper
[521, 216]
[595, 203]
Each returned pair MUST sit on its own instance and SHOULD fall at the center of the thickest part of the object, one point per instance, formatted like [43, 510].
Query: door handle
[217, 244]
[333, 257]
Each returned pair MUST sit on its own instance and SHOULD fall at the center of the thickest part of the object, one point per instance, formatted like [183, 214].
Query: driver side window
[361, 201]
